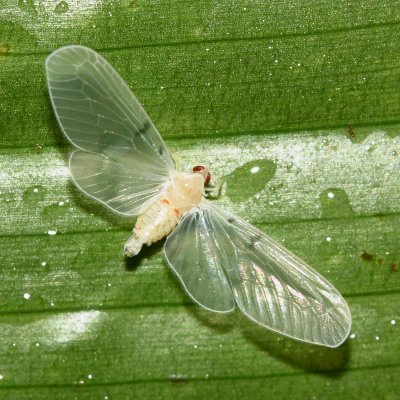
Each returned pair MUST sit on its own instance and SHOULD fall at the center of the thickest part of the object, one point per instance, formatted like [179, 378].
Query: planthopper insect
[220, 259]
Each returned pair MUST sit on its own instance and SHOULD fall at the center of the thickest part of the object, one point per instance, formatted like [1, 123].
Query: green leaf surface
[295, 106]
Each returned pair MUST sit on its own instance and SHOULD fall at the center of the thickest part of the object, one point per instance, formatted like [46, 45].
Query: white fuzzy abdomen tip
[132, 247]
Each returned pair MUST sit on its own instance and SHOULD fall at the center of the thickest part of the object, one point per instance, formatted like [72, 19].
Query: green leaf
[308, 92]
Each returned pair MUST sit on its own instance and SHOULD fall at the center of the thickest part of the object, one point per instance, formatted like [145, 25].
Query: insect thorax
[186, 190]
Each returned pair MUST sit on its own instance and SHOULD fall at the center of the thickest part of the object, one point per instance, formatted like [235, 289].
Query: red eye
[199, 169]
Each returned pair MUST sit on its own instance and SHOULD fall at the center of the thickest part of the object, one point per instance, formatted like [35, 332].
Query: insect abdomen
[157, 221]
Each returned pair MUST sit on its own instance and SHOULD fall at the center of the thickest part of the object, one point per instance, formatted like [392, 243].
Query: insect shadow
[325, 361]
[55, 130]
[133, 263]
[219, 323]
[90, 206]
[330, 362]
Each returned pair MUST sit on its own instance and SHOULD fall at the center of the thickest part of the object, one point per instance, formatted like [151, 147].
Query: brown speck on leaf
[4, 50]
[379, 261]
[350, 131]
[367, 256]
[394, 267]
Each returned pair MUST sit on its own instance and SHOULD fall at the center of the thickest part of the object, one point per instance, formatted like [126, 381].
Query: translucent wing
[125, 162]
[270, 285]
[193, 251]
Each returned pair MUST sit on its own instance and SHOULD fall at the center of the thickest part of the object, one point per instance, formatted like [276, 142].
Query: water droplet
[55, 212]
[27, 6]
[90, 376]
[289, 166]
[178, 377]
[1, 377]
[393, 322]
[33, 194]
[195, 346]
[52, 232]
[377, 338]
[44, 263]
[133, 5]
[352, 336]
[273, 189]
[61, 8]
[328, 238]
[27, 296]
[335, 204]
[249, 179]
[37, 344]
